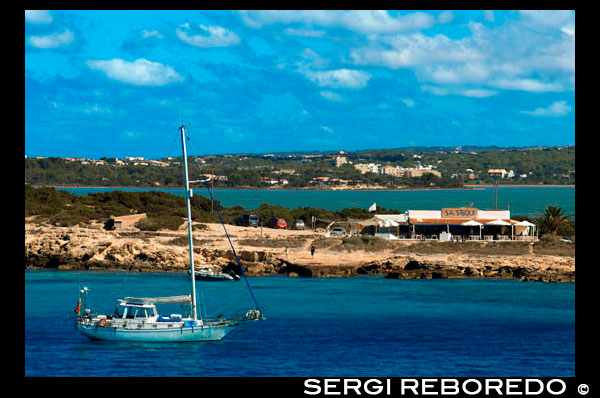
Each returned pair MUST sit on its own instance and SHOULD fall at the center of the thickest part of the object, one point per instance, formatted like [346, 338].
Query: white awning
[471, 223]
[525, 223]
[388, 223]
[498, 222]
[396, 219]
[185, 299]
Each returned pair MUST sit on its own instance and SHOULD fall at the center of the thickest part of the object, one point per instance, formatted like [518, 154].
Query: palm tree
[552, 219]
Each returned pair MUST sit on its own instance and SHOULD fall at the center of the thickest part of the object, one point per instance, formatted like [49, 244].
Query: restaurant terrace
[448, 224]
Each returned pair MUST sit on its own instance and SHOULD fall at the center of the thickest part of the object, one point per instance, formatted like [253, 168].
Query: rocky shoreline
[92, 248]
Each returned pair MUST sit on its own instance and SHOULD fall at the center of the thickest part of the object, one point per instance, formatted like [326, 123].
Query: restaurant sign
[459, 212]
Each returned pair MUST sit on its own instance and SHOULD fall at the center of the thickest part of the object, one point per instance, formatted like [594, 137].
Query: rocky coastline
[92, 248]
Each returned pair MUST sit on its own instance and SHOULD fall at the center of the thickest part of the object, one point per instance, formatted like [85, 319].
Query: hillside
[387, 169]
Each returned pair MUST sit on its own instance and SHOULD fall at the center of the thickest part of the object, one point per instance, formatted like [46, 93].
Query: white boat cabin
[127, 310]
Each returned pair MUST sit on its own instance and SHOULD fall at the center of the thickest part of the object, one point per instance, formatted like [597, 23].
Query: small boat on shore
[208, 274]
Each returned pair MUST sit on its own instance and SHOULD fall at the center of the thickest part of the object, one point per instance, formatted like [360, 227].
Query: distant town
[374, 169]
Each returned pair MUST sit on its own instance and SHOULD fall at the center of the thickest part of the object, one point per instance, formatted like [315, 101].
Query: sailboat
[137, 318]
[209, 274]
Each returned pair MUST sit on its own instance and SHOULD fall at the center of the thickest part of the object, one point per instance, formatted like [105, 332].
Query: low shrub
[156, 223]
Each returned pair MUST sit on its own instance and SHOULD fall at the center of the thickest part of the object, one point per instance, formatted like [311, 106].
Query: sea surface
[519, 200]
[363, 326]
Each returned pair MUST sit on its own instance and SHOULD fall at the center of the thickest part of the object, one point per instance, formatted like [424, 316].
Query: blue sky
[117, 83]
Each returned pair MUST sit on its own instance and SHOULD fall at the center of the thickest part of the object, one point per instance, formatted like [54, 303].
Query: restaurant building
[454, 224]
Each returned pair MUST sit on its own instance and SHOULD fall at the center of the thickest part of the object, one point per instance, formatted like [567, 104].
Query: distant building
[497, 173]
[367, 168]
[391, 170]
[285, 171]
[419, 172]
[321, 179]
[340, 160]
[158, 163]
[127, 221]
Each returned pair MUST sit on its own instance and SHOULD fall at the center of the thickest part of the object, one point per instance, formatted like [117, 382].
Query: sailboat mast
[189, 217]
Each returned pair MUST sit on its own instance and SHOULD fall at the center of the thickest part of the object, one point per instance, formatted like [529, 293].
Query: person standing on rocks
[312, 250]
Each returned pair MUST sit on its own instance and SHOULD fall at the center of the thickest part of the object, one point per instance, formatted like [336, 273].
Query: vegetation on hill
[164, 210]
[167, 211]
[554, 165]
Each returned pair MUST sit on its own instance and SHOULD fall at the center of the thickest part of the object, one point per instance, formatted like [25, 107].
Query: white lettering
[377, 390]
[308, 383]
[510, 384]
[427, 383]
[331, 383]
[489, 386]
[450, 389]
[413, 388]
[539, 383]
[564, 386]
[356, 386]
[466, 391]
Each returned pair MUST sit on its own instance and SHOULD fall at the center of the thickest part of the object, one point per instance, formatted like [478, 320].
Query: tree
[552, 219]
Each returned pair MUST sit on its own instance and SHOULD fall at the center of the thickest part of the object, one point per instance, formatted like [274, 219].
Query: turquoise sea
[346, 327]
[520, 200]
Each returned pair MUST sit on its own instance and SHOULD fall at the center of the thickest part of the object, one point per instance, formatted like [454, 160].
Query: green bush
[548, 238]
[156, 223]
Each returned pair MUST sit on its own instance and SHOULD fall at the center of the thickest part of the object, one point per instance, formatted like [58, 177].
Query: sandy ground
[299, 255]
[124, 244]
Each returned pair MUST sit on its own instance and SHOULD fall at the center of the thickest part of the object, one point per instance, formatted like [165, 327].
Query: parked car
[298, 224]
[566, 239]
[338, 231]
[248, 220]
[277, 223]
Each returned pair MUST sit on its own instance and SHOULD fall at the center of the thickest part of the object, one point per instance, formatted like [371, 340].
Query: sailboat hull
[196, 333]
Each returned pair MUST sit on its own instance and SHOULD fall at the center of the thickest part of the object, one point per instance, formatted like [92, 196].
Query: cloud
[547, 18]
[415, 49]
[364, 21]
[328, 129]
[331, 96]
[445, 16]
[488, 15]
[217, 36]
[52, 40]
[532, 85]
[467, 72]
[477, 93]
[151, 33]
[558, 108]
[96, 109]
[140, 72]
[471, 92]
[313, 59]
[517, 55]
[304, 32]
[338, 78]
[38, 16]
[569, 30]
[408, 102]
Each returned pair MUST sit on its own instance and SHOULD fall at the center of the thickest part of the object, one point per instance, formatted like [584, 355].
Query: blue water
[362, 326]
[520, 200]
